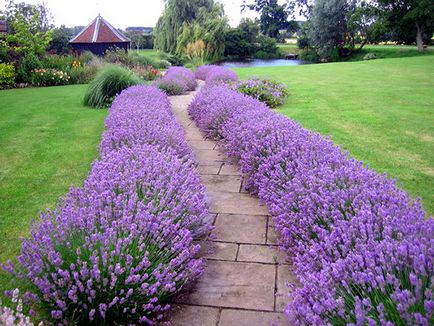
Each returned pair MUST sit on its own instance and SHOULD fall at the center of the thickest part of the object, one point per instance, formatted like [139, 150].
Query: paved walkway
[244, 280]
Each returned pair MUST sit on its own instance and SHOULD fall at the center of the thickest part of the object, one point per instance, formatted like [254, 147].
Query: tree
[414, 16]
[176, 14]
[327, 26]
[29, 29]
[184, 22]
[60, 42]
[273, 17]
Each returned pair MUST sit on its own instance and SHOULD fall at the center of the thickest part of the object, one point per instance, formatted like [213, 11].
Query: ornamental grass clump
[362, 248]
[117, 249]
[109, 82]
[271, 92]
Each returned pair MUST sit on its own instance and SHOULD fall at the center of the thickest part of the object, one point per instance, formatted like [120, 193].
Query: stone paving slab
[208, 155]
[234, 203]
[260, 254]
[224, 183]
[184, 315]
[214, 168]
[232, 317]
[284, 275]
[240, 228]
[233, 285]
[201, 144]
[271, 234]
[218, 250]
[229, 169]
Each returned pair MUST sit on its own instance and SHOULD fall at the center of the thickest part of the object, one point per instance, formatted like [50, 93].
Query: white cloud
[122, 14]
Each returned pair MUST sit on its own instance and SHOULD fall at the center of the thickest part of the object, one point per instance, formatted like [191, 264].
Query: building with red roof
[98, 37]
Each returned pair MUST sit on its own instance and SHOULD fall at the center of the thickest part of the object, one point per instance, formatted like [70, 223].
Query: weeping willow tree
[187, 21]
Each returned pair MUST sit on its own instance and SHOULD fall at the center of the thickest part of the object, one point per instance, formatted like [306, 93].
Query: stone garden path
[245, 275]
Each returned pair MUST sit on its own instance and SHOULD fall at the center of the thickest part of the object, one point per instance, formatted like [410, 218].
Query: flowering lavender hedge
[116, 249]
[215, 74]
[176, 81]
[363, 250]
[142, 115]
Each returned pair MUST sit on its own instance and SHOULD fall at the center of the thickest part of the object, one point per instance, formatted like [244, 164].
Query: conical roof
[99, 31]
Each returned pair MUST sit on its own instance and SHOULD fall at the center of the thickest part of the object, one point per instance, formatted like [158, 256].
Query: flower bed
[119, 247]
[362, 248]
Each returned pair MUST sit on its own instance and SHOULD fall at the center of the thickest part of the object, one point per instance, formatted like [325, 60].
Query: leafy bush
[49, 77]
[58, 62]
[29, 63]
[118, 248]
[146, 72]
[109, 82]
[118, 56]
[370, 56]
[309, 55]
[7, 75]
[272, 93]
[266, 48]
[362, 248]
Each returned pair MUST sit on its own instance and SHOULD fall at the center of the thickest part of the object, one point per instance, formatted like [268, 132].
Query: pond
[261, 63]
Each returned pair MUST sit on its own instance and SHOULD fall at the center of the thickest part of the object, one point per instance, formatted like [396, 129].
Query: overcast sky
[123, 13]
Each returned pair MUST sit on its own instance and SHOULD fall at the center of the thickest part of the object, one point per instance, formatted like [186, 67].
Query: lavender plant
[142, 115]
[176, 81]
[202, 71]
[115, 250]
[219, 75]
[362, 248]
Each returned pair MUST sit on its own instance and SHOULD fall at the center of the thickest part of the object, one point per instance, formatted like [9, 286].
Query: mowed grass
[151, 53]
[48, 140]
[381, 111]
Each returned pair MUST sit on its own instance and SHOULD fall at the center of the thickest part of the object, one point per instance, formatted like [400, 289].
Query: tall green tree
[30, 27]
[272, 16]
[415, 16]
[181, 16]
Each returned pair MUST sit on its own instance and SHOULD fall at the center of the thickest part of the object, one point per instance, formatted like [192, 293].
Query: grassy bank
[47, 141]
[381, 111]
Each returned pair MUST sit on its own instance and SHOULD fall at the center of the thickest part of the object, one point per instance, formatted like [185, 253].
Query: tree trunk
[419, 40]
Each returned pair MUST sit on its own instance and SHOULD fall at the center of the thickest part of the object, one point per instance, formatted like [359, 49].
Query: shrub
[49, 77]
[185, 74]
[272, 93]
[58, 62]
[118, 56]
[142, 115]
[362, 248]
[172, 85]
[146, 72]
[117, 249]
[176, 81]
[7, 75]
[220, 75]
[203, 71]
[14, 316]
[109, 82]
[370, 56]
[29, 63]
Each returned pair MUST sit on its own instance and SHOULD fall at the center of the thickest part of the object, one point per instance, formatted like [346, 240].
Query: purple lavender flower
[362, 248]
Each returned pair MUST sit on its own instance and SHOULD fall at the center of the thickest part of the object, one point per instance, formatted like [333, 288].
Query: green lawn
[47, 141]
[382, 111]
[154, 54]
